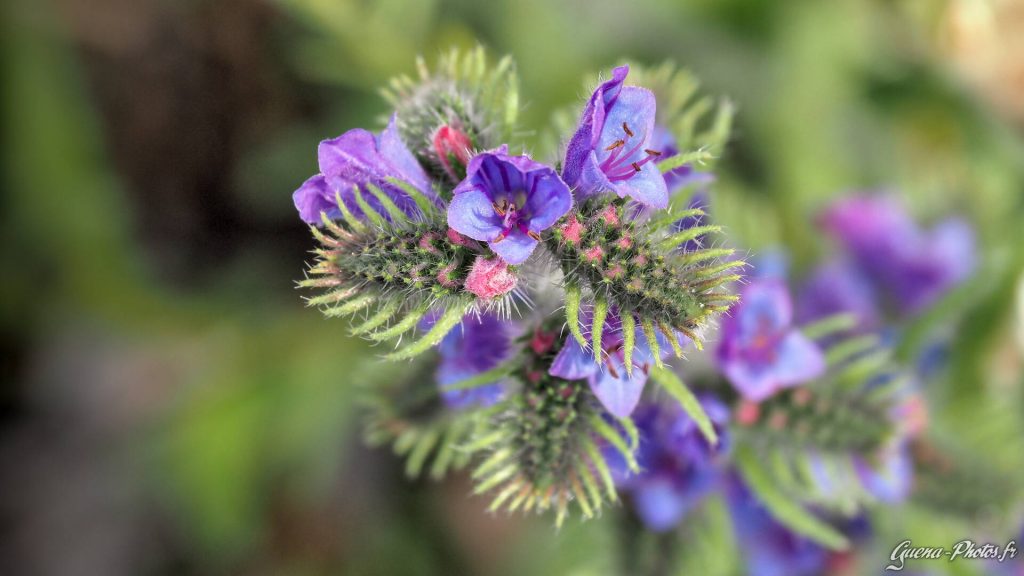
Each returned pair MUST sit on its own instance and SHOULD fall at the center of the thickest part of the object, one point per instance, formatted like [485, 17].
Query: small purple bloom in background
[760, 351]
[482, 343]
[358, 158]
[507, 201]
[683, 176]
[677, 464]
[617, 390]
[910, 266]
[889, 476]
[837, 287]
[611, 150]
[770, 548]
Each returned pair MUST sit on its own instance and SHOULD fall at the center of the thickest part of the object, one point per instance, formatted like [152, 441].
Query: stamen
[500, 209]
[614, 145]
[625, 128]
[636, 167]
[652, 152]
[611, 368]
[533, 235]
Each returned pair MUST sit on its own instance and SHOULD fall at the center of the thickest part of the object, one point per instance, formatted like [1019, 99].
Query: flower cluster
[558, 289]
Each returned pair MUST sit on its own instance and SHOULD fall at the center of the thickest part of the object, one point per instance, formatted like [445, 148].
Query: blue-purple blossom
[507, 201]
[681, 177]
[678, 466]
[358, 158]
[480, 344]
[910, 266]
[611, 149]
[770, 548]
[838, 287]
[618, 390]
[760, 351]
[888, 475]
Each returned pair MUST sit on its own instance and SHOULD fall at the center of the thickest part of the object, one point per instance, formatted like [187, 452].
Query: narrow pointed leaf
[425, 205]
[652, 340]
[674, 240]
[402, 325]
[350, 218]
[781, 507]
[433, 337]
[597, 329]
[382, 315]
[396, 214]
[573, 296]
[372, 215]
[682, 394]
[628, 340]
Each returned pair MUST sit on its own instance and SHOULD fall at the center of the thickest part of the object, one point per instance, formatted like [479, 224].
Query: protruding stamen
[614, 145]
[533, 235]
[502, 209]
[652, 152]
[636, 167]
[625, 128]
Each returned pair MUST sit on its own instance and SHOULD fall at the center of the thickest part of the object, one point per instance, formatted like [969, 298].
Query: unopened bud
[452, 147]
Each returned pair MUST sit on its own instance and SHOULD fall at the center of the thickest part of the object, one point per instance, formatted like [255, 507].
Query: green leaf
[781, 507]
[573, 295]
[697, 156]
[397, 216]
[382, 315]
[597, 329]
[402, 325]
[652, 340]
[372, 215]
[829, 326]
[350, 218]
[628, 340]
[674, 240]
[444, 324]
[678, 390]
[615, 439]
[492, 375]
[425, 205]
[350, 307]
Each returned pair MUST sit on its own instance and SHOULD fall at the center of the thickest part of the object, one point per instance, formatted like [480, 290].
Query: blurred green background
[168, 404]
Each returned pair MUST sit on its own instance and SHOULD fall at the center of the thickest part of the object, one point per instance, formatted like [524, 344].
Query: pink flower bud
[450, 142]
[490, 278]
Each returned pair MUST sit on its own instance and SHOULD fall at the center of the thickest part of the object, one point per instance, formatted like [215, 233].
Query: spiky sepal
[390, 274]
[637, 270]
[408, 415]
[829, 420]
[549, 446]
[464, 93]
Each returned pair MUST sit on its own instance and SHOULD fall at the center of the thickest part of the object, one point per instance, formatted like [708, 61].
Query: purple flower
[677, 464]
[482, 343]
[889, 477]
[834, 288]
[611, 149]
[681, 177]
[617, 390]
[760, 352]
[770, 548]
[358, 158]
[507, 201]
[912, 267]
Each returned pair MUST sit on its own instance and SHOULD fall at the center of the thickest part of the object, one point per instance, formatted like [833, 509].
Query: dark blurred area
[169, 406]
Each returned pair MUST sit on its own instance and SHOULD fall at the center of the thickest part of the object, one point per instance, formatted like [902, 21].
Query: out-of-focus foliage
[197, 419]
